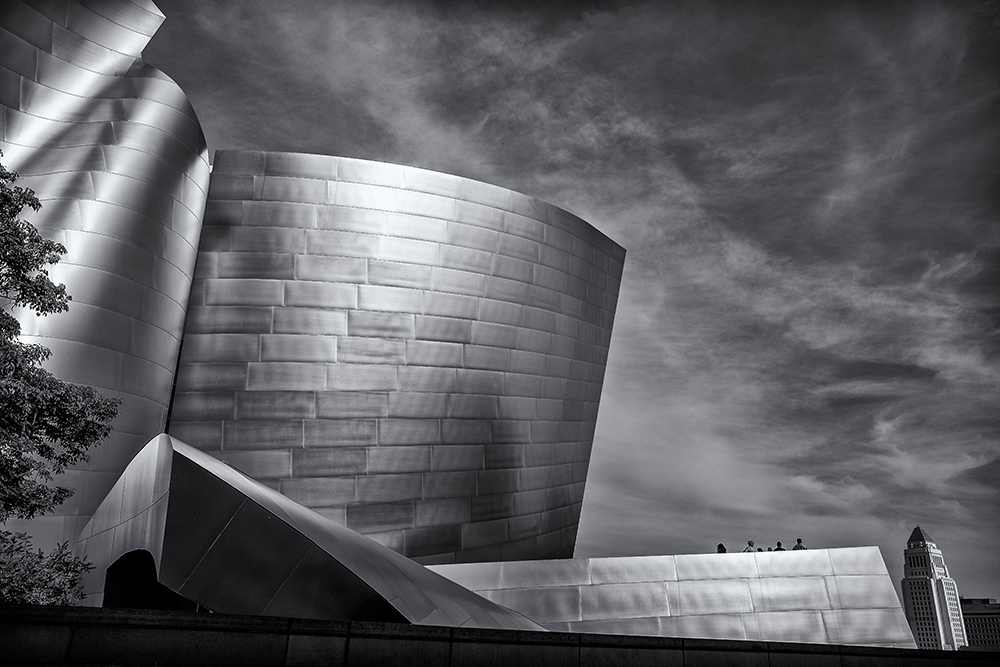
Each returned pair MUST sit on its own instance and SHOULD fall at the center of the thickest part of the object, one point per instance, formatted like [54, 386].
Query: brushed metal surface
[234, 545]
[114, 151]
[420, 322]
[784, 596]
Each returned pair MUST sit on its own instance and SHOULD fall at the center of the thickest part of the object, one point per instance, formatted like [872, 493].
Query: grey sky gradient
[808, 337]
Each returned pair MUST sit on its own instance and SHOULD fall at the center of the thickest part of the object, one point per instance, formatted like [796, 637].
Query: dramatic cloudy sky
[808, 338]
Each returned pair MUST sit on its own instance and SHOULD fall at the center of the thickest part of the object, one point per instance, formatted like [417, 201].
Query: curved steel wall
[416, 355]
[116, 155]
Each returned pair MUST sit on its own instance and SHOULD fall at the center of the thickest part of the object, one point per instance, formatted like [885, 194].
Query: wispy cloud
[807, 336]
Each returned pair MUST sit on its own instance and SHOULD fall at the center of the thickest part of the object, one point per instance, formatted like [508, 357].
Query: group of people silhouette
[721, 548]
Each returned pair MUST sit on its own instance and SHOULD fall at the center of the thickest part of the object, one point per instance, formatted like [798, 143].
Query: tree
[46, 424]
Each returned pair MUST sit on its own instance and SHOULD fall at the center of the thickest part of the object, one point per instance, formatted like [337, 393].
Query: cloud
[807, 332]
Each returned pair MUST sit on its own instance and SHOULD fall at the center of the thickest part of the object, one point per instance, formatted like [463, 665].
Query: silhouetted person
[770, 549]
[721, 548]
[760, 550]
[779, 547]
[798, 545]
[749, 546]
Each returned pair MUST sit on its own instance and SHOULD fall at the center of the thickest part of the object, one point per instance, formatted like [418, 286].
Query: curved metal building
[415, 355]
[116, 155]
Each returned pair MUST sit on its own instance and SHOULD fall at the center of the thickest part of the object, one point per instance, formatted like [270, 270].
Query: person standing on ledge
[749, 547]
[778, 547]
[721, 548]
[798, 545]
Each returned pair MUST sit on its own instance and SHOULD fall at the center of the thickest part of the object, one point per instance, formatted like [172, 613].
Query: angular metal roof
[233, 545]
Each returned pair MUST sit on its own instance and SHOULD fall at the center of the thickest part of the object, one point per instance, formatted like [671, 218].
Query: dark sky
[808, 338]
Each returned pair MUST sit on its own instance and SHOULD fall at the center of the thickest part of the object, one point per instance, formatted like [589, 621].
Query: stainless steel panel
[362, 195]
[392, 299]
[408, 250]
[274, 214]
[344, 244]
[422, 404]
[262, 434]
[221, 347]
[319, 491]
[466, 259]
[327, 462]
[500, 312]
[511, 432]
[298, 165]
[517, 407]
[460, 282]
[432, 353]
[340, 432]
[517, 247]
[417, 227]
[449, 305]
[409, 432]
[486, 508]
[559, 604]
[320, 294]
[459, 484]
[487, 358]
[470, 406]
[266, 464]
[291, 320]
[368, 377]
[275, 404]
[286, 375]
[497, 335]
[524, 227]
[511, 456]
[399, 274]
[712, 597]
[352, 219]
[442, 512]
[383, 516]
[497, 481]
[299, 190]
[347, 404]
[367, 171]
[465, 431]
[370, 350]
[422, 378]
[403, 459]
[520, 384]
[443, 329]
[777, 593]
[432, 182]
[479, 382]
[293, 347]
[625, 600]
[471, 237]
[330, 269]
[389, 488]
[243, 292]
[457, 457]
[254, 265]
[267, 239]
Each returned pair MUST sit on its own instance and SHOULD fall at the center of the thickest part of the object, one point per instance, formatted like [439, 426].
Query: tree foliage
[46, 424]
[36, 577]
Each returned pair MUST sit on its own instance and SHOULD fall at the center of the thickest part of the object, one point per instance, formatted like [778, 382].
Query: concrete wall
[833, 596]
[67, 635]
[413, 354]
[116, 155]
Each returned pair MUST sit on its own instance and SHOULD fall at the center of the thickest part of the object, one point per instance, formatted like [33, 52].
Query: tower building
[930, 595]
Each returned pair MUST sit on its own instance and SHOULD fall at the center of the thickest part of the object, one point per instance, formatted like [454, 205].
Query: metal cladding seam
[413, 354]
[116, 155]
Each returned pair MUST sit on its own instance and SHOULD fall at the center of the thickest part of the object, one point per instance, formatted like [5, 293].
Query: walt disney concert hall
[351, 390]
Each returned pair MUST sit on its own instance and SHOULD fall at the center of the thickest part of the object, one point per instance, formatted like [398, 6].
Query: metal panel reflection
[407, 316]
[114, 152]
[832, 596]
[232, 545]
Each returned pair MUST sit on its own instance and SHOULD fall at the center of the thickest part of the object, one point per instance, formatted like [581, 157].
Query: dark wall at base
[76, 635]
